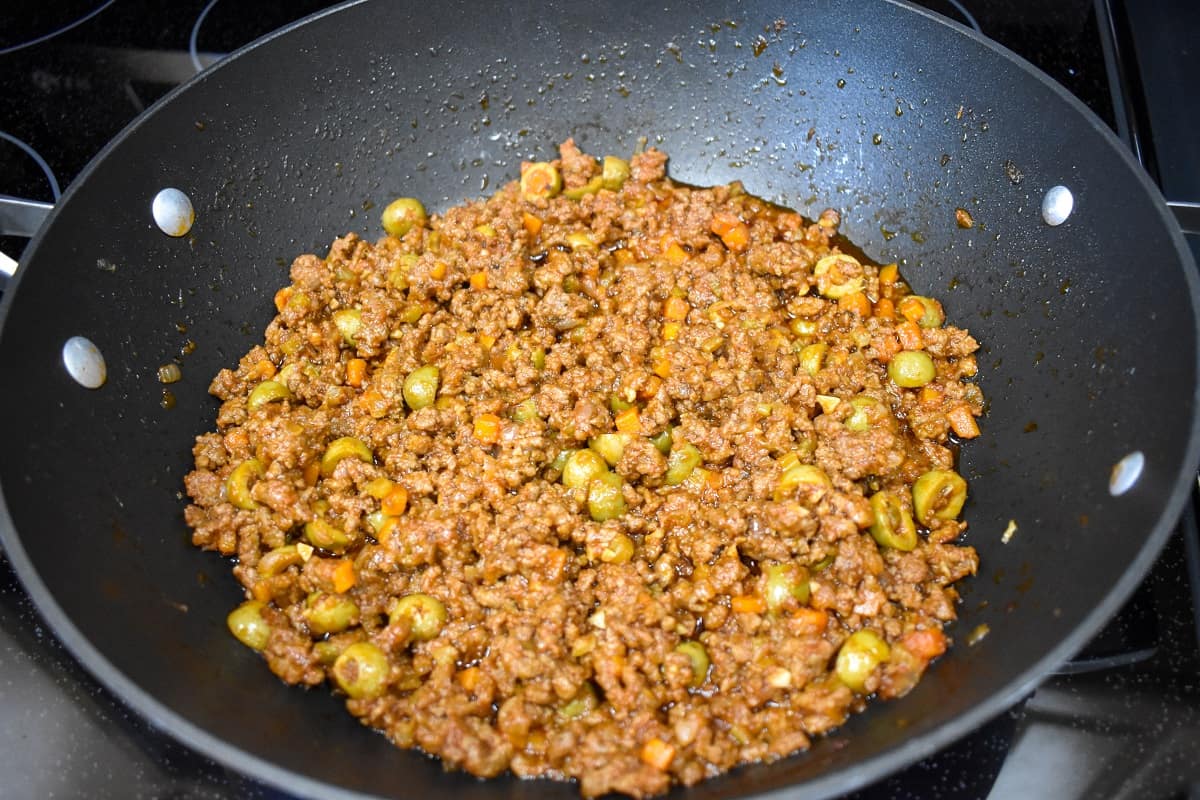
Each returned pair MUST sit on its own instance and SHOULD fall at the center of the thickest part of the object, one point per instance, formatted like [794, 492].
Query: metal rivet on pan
[1125, 473]
[1057, 205]
[173, 212]
[84, 362]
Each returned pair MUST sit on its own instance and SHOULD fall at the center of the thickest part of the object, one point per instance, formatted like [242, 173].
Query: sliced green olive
[911, 368]
[591, 187]
[932, 315]
[348, 322]
[581, 468]
[525, 411]
[578, 241]
[786, 584]
[247, 624]
[584, 702]
[662, 441]
[939, 494]
[421, 386]
[345, 447]
[361, 671]
[540, 180]
[402, 214]
[610, 446]
[560, 461]
[329, 613]
[698, 656]
[426, 615]
[277, 560]
[327, 651]
[618, 551]
[237, 485]
[614, 172]
[606, 500]
[865, 411]
[892, 526]
[537, 357]
[801, 475]
[859, 656]
[812, 357]
[618, 403]
[327, 536]
[832, 280]
[267, 392]
[682, 461]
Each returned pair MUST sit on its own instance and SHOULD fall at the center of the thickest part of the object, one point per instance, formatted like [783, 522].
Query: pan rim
[835, 782]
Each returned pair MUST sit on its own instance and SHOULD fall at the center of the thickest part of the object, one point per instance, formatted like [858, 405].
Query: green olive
[662, 441]
[610, 446]
[858, 658]
[540, 180]
[277, 560]
[933, 315]
[578, 241]
[402, 214]
[911, 368]
[801, 475]
[832, 280]
[361, 671]
[786, 584]
[698, 656]
[560, 461]
[581, 467]
[421, 386]
[812, 357]
[426, 615]
[892, 526]
[325, 535]
[606, 499]
[267, 392]
[329, 613]
[537, 357]
[939, 494]
[525, 411]
[614, 173]
[682, 461]
[345, 447]
[618, 551]
[618, 403]
[247, 624]
[591, 187]
[348, 322]
[237, 485]
[584, 702]
[327, 651]
[866, 410]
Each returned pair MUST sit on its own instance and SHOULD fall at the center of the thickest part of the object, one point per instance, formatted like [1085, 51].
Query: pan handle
[19, 217]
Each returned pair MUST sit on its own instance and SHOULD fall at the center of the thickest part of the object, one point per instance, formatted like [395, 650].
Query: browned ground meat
[547, 320]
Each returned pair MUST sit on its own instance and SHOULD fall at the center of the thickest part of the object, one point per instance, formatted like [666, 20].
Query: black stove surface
[1121, 721]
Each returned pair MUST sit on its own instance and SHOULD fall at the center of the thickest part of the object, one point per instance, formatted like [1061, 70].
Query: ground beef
[681, 610]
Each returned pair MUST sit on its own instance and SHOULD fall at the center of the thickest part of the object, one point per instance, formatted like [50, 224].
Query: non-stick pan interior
[886, 113]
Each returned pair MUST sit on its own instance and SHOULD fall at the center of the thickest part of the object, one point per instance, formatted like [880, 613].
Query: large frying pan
[888, 113]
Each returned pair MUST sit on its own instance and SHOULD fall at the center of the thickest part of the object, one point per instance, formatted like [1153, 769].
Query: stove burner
[57, 31]
[195, 37]
[955, 10]
[41, 162]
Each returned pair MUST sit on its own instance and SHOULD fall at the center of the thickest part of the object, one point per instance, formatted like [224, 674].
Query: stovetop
[1121, 721]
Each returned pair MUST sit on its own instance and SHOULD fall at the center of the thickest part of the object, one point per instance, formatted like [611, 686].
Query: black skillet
[886, 112]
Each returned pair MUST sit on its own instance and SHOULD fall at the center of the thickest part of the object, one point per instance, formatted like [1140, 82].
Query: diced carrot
[662, 367]
[469, 678]
[282, 297]
[311, 472]
[910, 335]
[650, 388]
[912, 309]
[261, 592]
[962, 422]
[676, 308]
[885, 308]
[486, 340]
[374, 403]
[748, 604]
[886, 346]
[857, 303]
[671, 330]
[263, 369]
[344, 577]
[813, 618]
[479, 280]
[733, 232]
[624, 257]
[533, 224]
[927, 645]
[675, 254]
[356, 372]
[487, 428]
[888, 274]
[930, 396]
[394, 502]
[439, 270]
[387, 528]
[628, 421]
[713, 479]
[658, 754]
